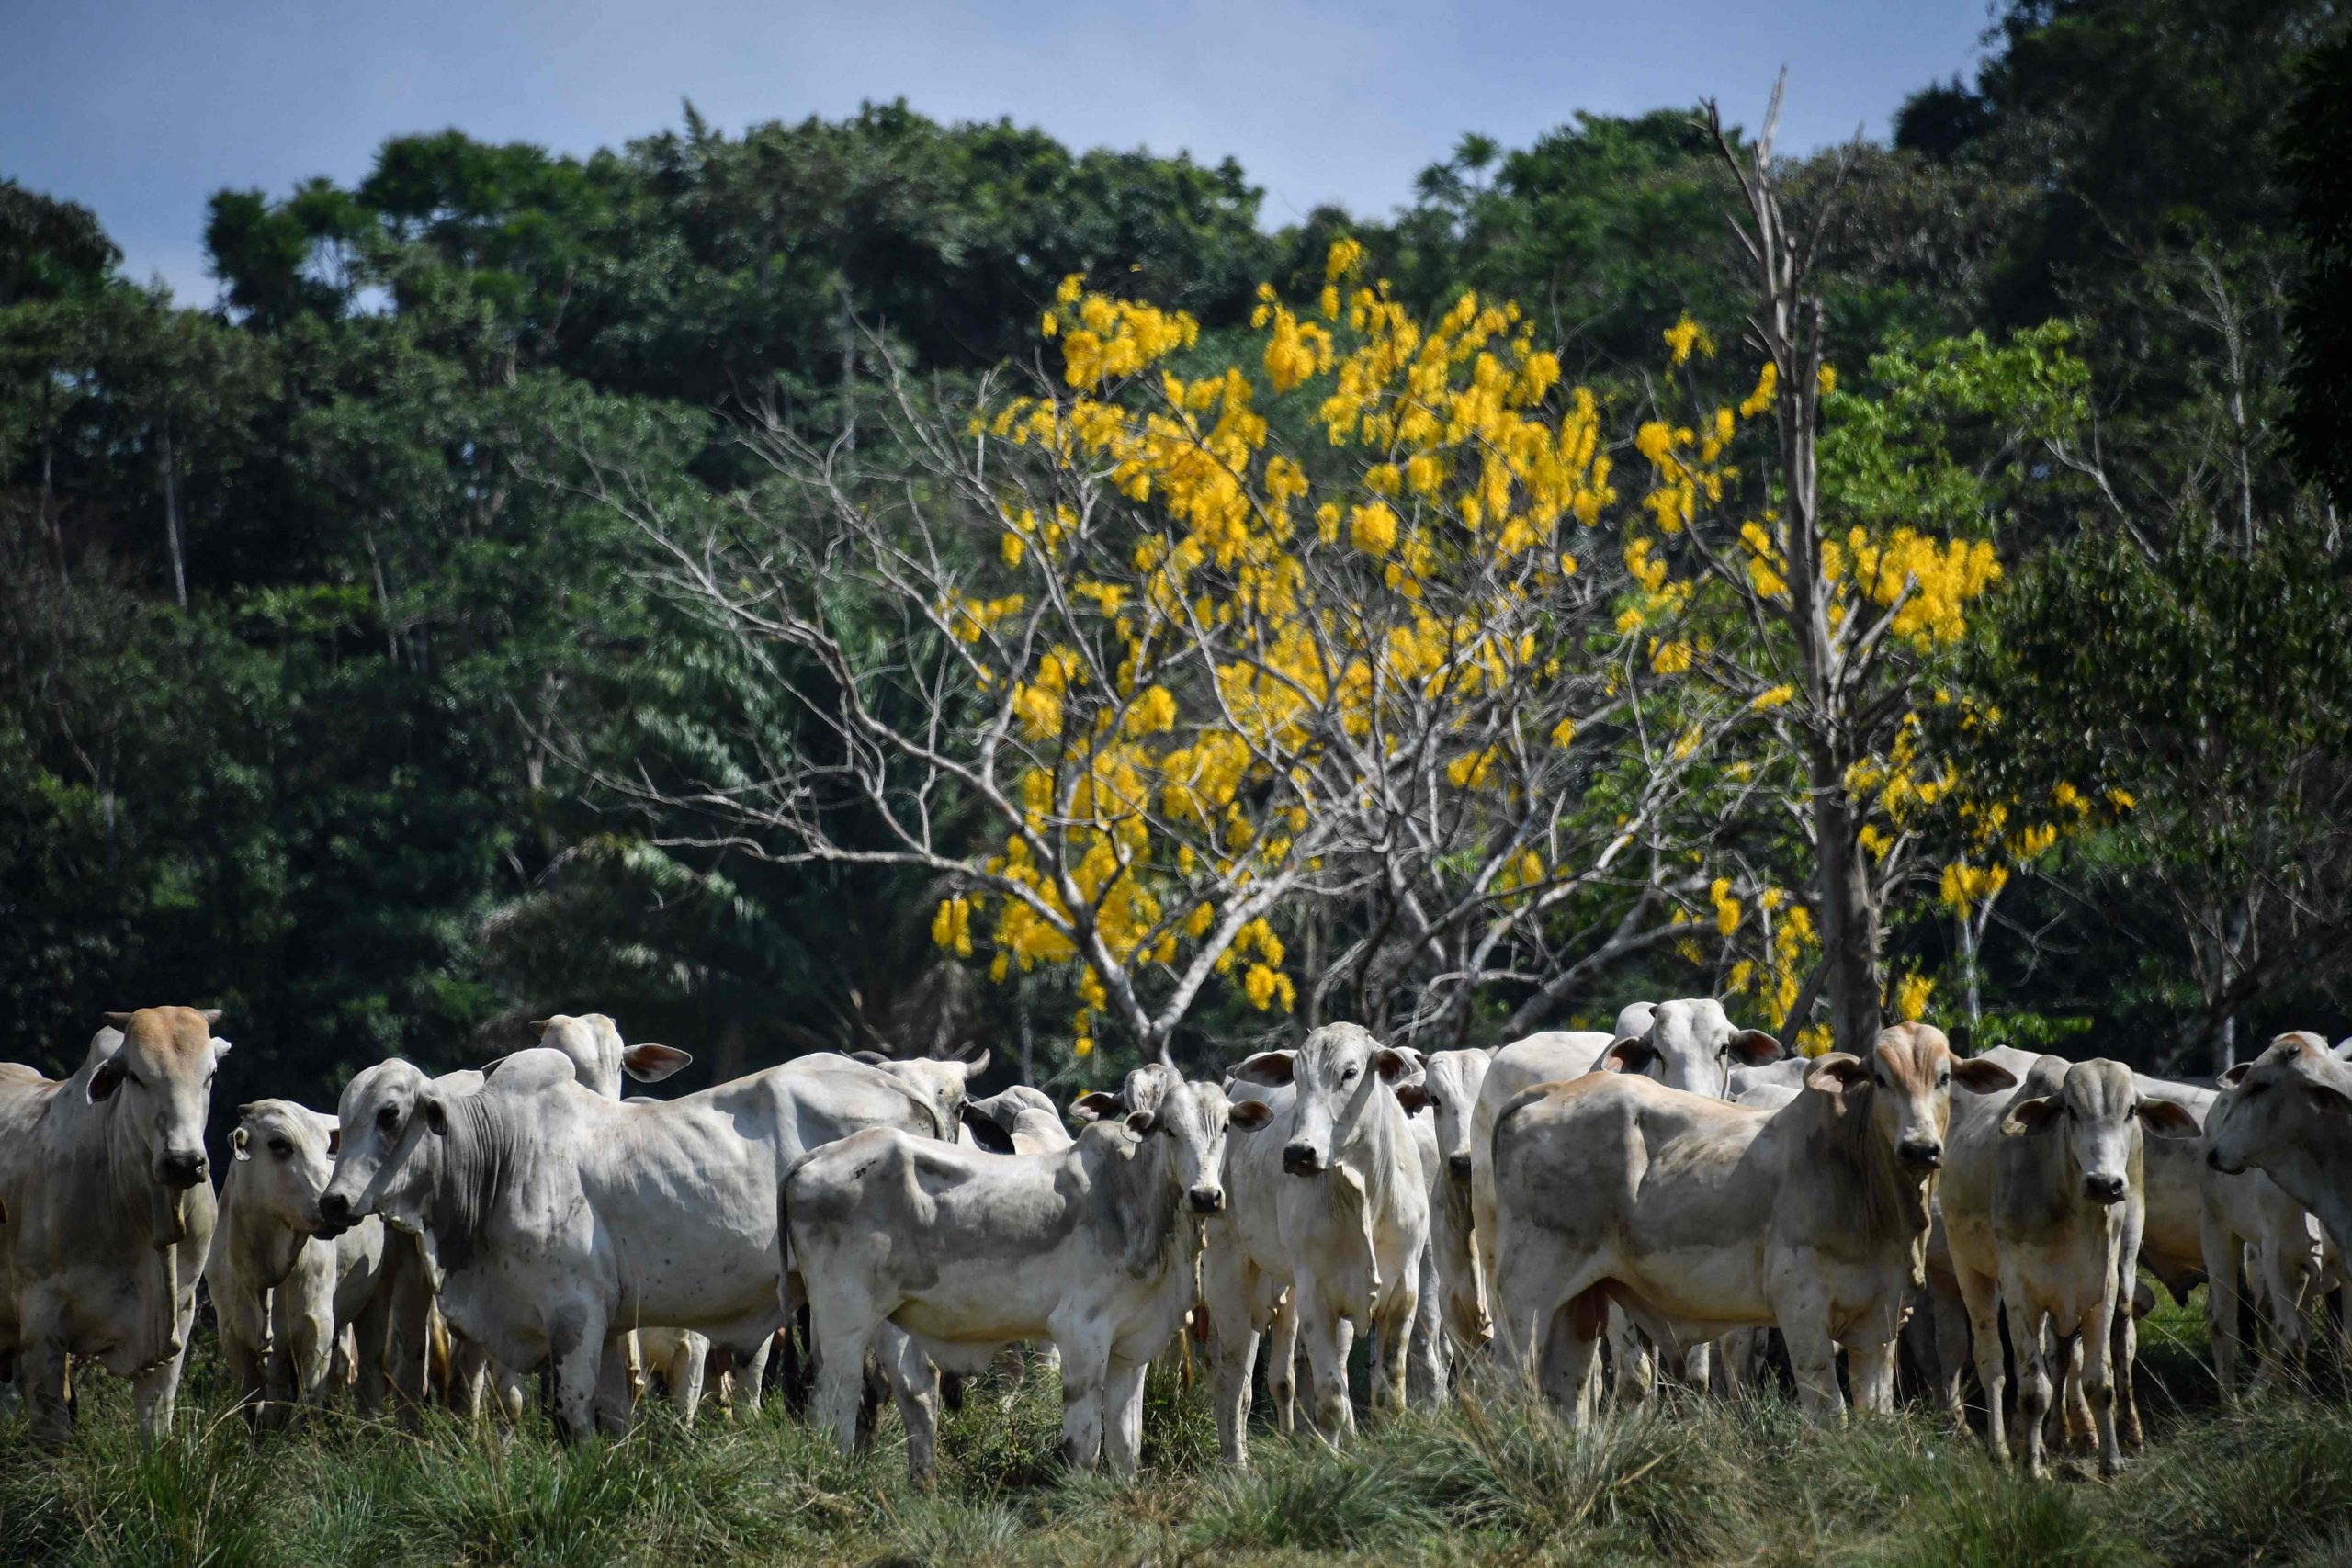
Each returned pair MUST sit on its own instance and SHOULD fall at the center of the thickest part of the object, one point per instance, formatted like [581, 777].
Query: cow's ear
[1392, 1065]
[1251, 1113]
[2028, 1114]
[539, 1025]
[2167, 1118]
[1271, 1068]
[652, 1063]
[1412, 1097]
[2232, 1077]
[987, 1131]
[1834, 1072]
[1981, 1076]
[221, 1048]
[1630, 1054]
[1142, 1122]
[1754, 1048]
[1099, 1106]
[211, 1016]
[437, 1116]
[241, 1145]
[2328, 1098]
[117, 1020]
[108, 1079]
[335, 1139]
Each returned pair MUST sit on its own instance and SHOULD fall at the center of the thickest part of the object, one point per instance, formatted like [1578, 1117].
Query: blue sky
[142, 109]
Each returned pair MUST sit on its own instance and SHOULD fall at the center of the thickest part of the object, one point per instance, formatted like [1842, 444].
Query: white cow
[1688, 1045]
[282, 1294]
[1325, 1234]
[1696, 1216]
[942, 1085]
[591, 1043]
[108, 1212]
[552, 1220]
[2289, 1114]
[1448, 1089]
[2042, 1212]
[1092, 1247]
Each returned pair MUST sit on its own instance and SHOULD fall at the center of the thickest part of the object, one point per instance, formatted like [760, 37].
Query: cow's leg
[1565, 1346]
[2077, 1430]
[1952, 1335]
[838, 1337]
[1282, 1364]
[1425, 1379]
[1636, 1368]
[1870, 1366]
[2286, 1279]
[1982, 1298]
[2033, 1379]
[1123, 1415]
[752, 1375]
[311, 1339]
[1225, 1287]
[2123, 1351]
[1812, 1355]
[914, 1387]
[371, 1339]
[42, 1375]
[2096, 1355]
[1329, 1334]
[1086, 1366]
[576, 1356]
[244, 1337]
[2224, 1255]
[1394, 1317]
[685, 1373]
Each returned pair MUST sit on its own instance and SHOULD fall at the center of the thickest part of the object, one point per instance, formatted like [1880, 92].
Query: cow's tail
[784, 1235]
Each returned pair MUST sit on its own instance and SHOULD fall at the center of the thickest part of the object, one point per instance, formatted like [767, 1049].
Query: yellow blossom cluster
[1255, 619]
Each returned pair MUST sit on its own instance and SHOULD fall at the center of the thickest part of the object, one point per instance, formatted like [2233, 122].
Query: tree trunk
[172, 511]
[1848, 922]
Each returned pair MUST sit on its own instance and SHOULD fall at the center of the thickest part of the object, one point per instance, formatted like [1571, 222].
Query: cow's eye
[1350, 1075]
[1943, 1078]
[281, 1148]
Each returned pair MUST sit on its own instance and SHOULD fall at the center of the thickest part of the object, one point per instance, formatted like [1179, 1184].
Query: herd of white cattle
[1678, 1187]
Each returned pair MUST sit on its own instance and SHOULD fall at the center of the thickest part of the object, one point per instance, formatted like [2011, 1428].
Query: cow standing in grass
[103, 1180]
[1326, 1238]
[1093, 1247]
[1696, 1216]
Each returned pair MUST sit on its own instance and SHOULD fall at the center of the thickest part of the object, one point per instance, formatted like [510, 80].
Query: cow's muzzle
[1920, 1154]
[2102, 1189]
[334, 1215]
[1302, 1159]
[180, 1168]
[1207, 1200]
[1459, 1166]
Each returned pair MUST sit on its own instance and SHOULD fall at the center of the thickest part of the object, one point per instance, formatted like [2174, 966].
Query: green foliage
[2311, 148]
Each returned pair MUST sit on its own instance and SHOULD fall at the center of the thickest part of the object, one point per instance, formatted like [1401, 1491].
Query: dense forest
[345, 683]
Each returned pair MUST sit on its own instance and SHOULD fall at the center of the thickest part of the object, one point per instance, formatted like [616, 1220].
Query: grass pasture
[2269, 1482]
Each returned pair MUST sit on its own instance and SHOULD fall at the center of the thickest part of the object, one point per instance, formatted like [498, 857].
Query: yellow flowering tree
[1191, 641]
[1813, 555]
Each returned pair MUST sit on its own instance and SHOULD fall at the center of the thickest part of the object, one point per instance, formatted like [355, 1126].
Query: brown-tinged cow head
[161, 1079]
[1904, 1089]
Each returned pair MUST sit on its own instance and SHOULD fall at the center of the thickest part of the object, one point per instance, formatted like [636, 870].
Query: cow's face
[592, 1044]
[2098, 1110]
[2282, 1098]
[1690, 1046]
[1193, 1118]
[1905, 1089]
[382, 1126]
[160, 1077]
[289, 1154]
[1334, 1077]
[1450, 1089]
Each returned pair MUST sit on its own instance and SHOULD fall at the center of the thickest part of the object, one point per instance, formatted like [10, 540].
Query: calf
[552, 1219]
[1697, 1217]
[2042, 1211]
[282, 1294]
[104, 1179]
[1325, 1240]
[1092, 1247]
